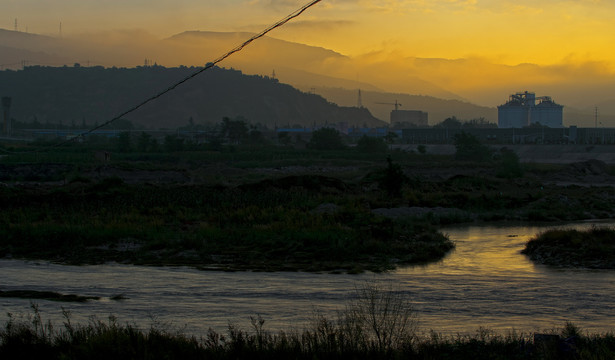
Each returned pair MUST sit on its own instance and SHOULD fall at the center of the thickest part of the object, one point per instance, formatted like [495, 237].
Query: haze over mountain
[388, 76]
[76, 95]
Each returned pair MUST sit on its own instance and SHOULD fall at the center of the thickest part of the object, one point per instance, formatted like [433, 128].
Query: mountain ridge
[94, 95]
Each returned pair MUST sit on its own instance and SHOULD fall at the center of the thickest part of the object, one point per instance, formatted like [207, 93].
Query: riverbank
[305, 223]
[592, 249]
[273, 209]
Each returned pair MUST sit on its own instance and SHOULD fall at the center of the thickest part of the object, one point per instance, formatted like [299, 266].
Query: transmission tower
[359, 101]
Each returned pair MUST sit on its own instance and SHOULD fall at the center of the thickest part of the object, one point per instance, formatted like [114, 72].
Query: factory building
[521, 110]
[400, 118]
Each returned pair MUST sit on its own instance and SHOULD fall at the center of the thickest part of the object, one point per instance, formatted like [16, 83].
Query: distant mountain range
[413, 82]
[73, 95]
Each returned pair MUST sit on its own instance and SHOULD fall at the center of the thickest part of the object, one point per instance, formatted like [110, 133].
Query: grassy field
[265, 207]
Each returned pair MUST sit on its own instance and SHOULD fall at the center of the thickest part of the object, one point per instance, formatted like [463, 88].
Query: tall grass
[379, 323]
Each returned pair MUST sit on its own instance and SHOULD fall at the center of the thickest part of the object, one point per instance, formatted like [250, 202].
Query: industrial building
[400, 118]
[521, 110]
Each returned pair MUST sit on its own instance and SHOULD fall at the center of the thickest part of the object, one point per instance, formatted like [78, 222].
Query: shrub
[468, 147]
[509, 166]
[326, 139]
[393, 178]
[371, 144]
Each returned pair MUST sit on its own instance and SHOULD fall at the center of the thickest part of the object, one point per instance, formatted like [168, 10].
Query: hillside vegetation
[90, 95]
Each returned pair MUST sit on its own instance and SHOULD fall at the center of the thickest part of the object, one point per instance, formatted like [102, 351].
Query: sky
[478, 41]
[509, 32]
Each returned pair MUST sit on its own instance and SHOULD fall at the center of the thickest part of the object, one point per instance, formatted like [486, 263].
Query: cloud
[320, 25]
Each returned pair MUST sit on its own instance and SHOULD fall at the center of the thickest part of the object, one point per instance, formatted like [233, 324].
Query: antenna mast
[15, 24]
[359, 101]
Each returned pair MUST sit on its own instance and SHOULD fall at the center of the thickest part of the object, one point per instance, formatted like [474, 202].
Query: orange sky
[478, 42]
[509, 32]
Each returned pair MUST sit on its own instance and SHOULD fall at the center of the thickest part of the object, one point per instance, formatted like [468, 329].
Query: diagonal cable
[208, 66]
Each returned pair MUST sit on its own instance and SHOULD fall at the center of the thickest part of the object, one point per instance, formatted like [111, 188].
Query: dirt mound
[589, 167]
[308, 182]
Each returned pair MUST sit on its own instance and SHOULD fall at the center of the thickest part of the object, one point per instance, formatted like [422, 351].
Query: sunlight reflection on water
[485, 282]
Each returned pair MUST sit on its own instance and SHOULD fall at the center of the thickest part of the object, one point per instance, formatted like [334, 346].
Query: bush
[326, 139]
[393, 178]
[371, 144]
[380, 316]
[469, 148]
[509, 166]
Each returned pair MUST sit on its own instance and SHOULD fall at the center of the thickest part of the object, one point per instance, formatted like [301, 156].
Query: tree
[468, 147]
[255, 137]
[123, 142]
[451, 122]
[235, 130]
[390, 137]
[380, 315]
[393, 178]
[510, 166]
[173, 143]
[284, 138]
[143, 142]
[371, 144]
[326, 139]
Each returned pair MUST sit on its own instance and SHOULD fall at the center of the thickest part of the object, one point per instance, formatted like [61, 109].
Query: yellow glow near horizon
[513, 32]
[389, 42]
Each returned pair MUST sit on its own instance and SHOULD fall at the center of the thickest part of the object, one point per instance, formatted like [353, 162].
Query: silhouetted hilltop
[95, 94]
[380, 104]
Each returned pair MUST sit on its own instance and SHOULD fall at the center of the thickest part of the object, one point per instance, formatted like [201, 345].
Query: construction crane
[396, 104]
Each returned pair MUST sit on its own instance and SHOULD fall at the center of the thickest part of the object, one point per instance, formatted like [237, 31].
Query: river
[485, 282]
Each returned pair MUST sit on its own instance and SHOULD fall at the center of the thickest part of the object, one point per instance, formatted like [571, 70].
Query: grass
[234, 213]
[377, 324]
[265, 226]
[592, 248]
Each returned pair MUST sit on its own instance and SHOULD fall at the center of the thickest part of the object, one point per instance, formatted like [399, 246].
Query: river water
[485, 282]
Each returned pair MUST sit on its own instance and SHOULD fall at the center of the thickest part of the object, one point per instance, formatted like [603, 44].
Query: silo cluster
[521, 110]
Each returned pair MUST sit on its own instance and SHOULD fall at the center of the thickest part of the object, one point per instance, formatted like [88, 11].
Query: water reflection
[485, 282]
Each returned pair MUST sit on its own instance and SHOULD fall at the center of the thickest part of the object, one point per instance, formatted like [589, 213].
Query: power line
[208, 66]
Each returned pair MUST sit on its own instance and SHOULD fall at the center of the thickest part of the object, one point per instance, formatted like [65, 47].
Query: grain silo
[521, 110]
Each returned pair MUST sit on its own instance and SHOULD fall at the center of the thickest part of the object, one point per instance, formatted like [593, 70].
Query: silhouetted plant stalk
[378, 323]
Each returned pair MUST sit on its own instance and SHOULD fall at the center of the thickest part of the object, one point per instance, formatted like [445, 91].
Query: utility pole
[6, 106]
[359, 101]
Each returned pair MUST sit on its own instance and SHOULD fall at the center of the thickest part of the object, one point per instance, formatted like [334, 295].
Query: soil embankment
[542, 154]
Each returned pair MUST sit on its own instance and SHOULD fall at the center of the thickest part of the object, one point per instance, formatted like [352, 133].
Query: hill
[438, 109]
[96, 94]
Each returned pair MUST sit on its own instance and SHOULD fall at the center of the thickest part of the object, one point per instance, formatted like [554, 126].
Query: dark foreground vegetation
[593, 248]
[376, 325]
[307, 223]
[45, 295]
[226, 206]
